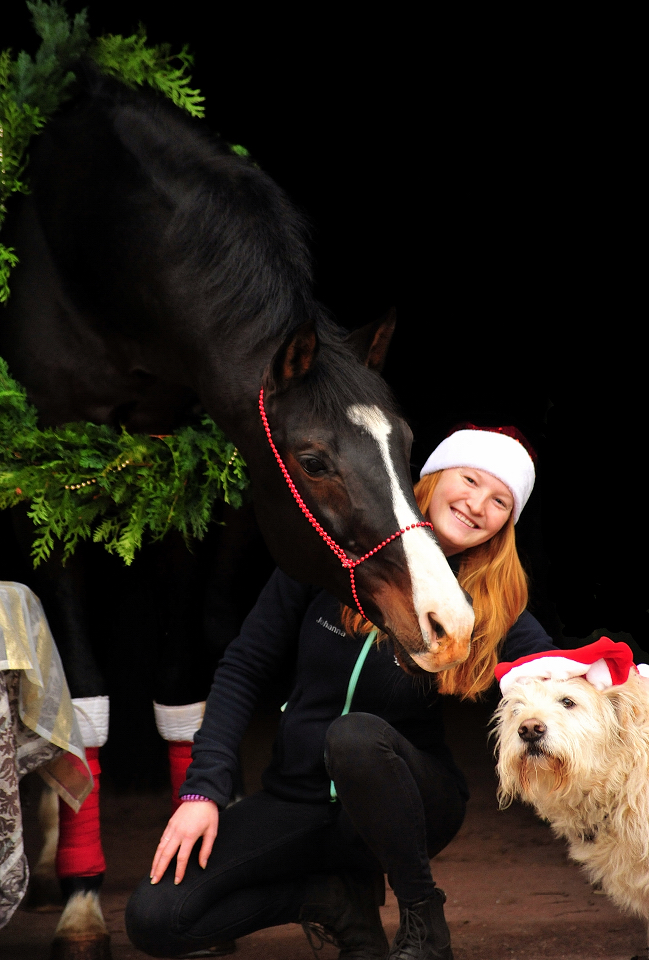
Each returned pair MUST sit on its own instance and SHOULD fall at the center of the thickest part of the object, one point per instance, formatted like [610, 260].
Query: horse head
[193, 285]
[334, 499]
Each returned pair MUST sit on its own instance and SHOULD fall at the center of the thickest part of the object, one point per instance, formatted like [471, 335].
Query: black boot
[423, 933]
[344, 911]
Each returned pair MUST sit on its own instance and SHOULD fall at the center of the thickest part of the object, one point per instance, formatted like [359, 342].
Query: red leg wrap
[180, 756]
[79, 852]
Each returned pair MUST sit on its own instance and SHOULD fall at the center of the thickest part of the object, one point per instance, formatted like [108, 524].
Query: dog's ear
[628, 708]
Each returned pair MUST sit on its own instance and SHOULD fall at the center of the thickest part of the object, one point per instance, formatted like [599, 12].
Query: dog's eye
[568, 703]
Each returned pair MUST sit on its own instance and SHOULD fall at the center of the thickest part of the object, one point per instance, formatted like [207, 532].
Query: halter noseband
[346, 561]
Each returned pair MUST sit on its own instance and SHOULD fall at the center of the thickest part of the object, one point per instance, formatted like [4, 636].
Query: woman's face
[468, 507]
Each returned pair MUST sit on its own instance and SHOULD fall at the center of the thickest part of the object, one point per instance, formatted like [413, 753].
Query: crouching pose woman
[361, 782]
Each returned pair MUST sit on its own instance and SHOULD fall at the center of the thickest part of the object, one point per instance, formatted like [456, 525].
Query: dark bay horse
[161, 273]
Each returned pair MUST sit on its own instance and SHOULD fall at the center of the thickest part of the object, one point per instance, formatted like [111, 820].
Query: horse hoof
[90, 947]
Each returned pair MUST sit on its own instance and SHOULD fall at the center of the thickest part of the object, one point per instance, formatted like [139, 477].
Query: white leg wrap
[92, 717]
[178, 723]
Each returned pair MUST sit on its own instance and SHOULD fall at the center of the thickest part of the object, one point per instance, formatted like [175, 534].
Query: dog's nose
[531, 730]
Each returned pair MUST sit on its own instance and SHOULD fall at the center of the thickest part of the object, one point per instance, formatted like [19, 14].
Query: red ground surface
[512, 893]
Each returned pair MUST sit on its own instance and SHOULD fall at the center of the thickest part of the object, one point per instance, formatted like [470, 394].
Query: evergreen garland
[87, 481]
[130, 60]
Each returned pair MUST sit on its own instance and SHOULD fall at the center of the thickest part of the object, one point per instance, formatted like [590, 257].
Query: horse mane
[148, 187]
[162, 204]
[257, 264]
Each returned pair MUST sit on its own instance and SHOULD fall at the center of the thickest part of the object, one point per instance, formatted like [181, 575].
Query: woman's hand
[193, 819]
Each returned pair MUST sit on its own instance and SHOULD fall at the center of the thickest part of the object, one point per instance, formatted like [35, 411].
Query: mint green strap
[353, 680]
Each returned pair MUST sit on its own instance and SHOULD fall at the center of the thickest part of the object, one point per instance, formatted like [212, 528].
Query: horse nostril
[438, 629]
[531, 730]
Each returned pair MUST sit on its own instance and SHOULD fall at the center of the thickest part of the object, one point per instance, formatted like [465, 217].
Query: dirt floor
[512, 893]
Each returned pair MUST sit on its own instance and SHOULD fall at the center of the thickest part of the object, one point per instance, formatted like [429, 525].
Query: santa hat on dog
[604, 663]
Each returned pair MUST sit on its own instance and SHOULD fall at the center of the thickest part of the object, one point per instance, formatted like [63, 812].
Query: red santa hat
[604, 663]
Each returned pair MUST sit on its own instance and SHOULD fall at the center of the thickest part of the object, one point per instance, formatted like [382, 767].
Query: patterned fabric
[38, 729]
[44, 702]
[21, 751]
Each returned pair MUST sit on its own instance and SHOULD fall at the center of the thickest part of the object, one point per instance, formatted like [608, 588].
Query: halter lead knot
[346, 562]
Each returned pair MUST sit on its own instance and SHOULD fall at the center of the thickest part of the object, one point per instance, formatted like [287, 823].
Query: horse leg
[209, 580]
[81, 933]
[44, 890]
[177, 725]
[72, 846]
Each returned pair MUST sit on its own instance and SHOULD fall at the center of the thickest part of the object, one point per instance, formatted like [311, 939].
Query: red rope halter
[346, 561]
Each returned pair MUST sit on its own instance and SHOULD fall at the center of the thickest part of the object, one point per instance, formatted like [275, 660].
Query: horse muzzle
[443, 654]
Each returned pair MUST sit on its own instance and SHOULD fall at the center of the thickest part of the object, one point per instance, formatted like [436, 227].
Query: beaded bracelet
[194, 796]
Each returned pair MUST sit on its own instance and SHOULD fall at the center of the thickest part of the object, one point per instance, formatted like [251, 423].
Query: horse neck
[228, 378]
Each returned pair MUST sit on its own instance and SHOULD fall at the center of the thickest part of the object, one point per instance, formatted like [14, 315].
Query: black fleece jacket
[294, 631]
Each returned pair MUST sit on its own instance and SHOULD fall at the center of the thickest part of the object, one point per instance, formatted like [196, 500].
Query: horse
[161, 273]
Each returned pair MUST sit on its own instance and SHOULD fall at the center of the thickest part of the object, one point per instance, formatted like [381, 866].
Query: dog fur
[585, 768]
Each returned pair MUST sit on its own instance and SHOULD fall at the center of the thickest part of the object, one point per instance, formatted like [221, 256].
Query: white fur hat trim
[558, 668]
[498, 454]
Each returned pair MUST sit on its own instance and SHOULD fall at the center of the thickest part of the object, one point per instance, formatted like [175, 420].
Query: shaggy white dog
[580, 757]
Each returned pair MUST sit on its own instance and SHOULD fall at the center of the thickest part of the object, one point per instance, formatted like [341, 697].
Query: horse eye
[313, 466]
[568, 703]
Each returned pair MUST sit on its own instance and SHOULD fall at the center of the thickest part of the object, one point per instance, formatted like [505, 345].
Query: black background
[480, 177]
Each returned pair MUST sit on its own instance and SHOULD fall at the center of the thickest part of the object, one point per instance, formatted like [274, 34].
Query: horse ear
[371, 342]
[295, 357]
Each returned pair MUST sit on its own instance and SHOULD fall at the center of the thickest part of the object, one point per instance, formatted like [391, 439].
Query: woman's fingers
[185, 849]
[206, 847]
[190, 822]
[163, 856]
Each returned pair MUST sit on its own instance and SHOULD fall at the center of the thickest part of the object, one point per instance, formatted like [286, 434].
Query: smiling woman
[473, 488]
[467, 508]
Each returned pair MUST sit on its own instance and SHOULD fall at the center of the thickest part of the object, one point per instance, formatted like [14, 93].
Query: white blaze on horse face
[436, 593]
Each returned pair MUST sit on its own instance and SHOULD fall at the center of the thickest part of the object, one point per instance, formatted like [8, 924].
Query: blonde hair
[493, 576]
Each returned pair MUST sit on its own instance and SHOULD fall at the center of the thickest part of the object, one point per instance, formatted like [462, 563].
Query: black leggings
[398, 807]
